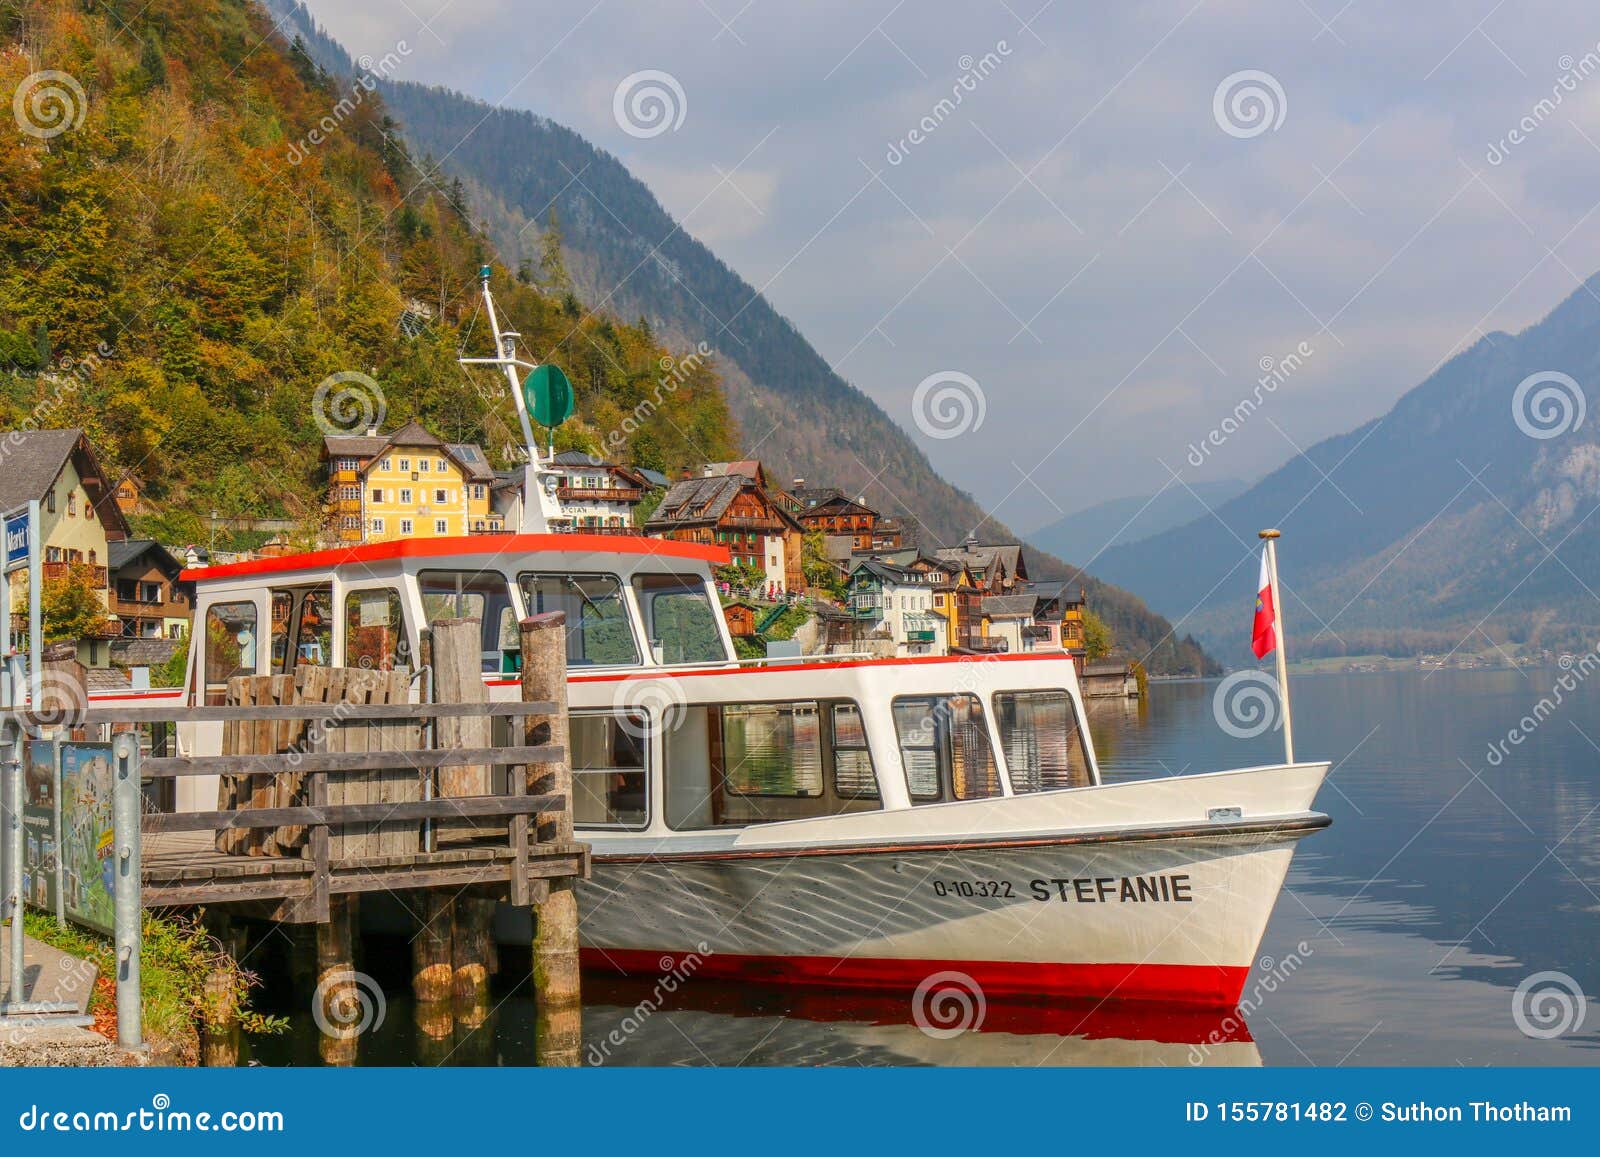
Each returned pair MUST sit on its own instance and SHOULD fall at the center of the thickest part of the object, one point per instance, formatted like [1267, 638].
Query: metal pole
[12, 769]
[55, 830]
[35, 606]
[125, 812]
[1271, 537]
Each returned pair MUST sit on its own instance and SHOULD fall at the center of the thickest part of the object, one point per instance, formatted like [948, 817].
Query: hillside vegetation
[181, 266]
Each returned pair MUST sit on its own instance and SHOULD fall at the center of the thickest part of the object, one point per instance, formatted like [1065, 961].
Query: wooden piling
[339, 1009]
[557, 991]
[432, 962]
[458, 678]
[219, 1035]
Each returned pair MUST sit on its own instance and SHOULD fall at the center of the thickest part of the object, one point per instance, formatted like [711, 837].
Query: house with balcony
[735, 511]
[79, 519]
[408, 484]
[597, 497]
[896, 603]
[147, 598]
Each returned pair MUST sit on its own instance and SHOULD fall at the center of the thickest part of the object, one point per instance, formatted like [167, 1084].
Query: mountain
[1464, 517]
[1121, 520]
[198, 231]
[622, 248]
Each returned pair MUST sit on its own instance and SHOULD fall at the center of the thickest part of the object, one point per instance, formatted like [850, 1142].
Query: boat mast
[540, 507]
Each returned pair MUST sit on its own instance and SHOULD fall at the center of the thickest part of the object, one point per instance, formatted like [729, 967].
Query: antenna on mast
[540, 508]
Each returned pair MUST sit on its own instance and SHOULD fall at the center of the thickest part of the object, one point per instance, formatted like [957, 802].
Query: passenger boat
[834, 821]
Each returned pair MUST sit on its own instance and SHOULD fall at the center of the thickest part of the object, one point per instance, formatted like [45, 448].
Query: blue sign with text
[18, 541]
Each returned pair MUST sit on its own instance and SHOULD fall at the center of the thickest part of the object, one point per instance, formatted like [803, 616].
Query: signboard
[17, 541]
[78, 856]
[41, 858]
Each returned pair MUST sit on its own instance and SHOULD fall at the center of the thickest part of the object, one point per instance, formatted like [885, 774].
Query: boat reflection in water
[633, 1022]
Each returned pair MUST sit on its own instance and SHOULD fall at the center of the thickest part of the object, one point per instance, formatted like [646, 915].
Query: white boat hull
[1172, 911]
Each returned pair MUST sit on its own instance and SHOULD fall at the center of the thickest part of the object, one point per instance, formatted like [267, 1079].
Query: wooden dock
[334, 785]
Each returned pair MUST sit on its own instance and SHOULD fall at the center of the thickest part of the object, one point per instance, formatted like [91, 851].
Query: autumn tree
[72, 607]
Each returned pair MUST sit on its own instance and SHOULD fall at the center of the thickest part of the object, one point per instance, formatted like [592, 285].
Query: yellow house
[78, 515]
[409, 484]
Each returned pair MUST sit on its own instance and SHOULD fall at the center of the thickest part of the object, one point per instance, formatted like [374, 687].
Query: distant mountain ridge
[1085, 533]
[1464, 516]
[626, 252]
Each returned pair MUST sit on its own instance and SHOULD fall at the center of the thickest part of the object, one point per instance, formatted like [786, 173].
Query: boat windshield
[598, 632]
[680, 620]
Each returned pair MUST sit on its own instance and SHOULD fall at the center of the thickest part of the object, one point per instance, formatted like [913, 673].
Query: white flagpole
[1271, 539]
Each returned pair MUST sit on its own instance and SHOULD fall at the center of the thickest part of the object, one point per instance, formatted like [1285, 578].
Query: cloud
[1078, 232]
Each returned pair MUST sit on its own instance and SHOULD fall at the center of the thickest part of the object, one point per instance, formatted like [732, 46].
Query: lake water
[1447, 880]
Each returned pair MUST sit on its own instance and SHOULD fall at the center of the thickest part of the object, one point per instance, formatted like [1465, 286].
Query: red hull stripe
[1205, 985]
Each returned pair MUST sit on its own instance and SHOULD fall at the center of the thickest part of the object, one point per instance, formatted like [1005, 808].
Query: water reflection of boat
[632, 1022]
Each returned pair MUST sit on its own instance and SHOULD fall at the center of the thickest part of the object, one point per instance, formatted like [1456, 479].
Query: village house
[897, 602]
[79, 518]
[408, 484]
[741, 617]
[734, 510]
[996, 567]
[597, 497]
[146, 597]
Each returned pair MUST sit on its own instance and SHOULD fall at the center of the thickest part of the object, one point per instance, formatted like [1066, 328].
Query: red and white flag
[1264, 632]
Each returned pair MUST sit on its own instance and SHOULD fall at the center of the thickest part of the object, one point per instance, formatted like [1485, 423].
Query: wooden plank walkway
[183, 868]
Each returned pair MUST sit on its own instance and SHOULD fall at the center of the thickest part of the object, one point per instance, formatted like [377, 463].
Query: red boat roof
[478, 544]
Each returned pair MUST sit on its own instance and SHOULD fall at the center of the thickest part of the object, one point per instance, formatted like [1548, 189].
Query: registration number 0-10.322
[982, 889]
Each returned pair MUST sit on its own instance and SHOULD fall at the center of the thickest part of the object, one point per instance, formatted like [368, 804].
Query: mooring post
[557, 991]
[128, 921]
[458, 678]
[432, 966]
[338, 999]
[219, 1038]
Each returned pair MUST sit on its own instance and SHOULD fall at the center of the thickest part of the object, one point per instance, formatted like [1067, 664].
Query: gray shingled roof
[1008, 606]
[30, 462]
[697, 500]
[120, 554]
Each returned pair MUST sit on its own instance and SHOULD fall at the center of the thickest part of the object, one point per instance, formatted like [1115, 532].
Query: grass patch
[177, 957]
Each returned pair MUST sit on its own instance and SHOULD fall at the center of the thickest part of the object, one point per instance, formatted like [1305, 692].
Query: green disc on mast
[549, 396]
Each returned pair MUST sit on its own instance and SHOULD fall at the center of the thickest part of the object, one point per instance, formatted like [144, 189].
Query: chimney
[799, 483]
[970, 542]
[707, 472]
[372, 431]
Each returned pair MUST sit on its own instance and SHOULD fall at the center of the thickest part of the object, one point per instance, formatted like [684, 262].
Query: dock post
[219, 1036]
[458, 678]
[338, 997]
[557, 991]
[432, 966]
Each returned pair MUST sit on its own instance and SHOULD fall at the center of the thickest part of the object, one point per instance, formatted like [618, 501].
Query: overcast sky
[1104, 236]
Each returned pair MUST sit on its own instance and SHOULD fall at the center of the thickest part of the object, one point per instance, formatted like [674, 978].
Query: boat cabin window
[609, 783]
[750, 763]
[680, 619]
[1043, 743]
[485, 596]
[944, 745]
[230, 647]
[375, 630]
[302, 629]
[598, 631]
